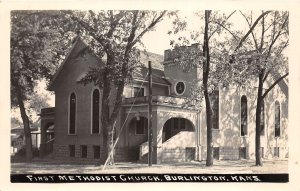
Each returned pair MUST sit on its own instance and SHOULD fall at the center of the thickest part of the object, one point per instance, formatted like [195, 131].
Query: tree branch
[274, 84]
[262, 34]
[222, 25]
[250, 30]
[101, 40]
[278, 34]
[252, 33]
[152, 24]
[266, 75]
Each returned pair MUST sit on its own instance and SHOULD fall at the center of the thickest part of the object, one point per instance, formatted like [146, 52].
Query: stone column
[158, 132]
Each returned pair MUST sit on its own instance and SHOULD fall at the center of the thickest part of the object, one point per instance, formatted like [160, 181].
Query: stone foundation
[61, 152]
[178, 154]
[169, 155]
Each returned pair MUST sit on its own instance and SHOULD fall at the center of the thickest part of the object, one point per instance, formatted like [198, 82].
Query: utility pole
[150, 115]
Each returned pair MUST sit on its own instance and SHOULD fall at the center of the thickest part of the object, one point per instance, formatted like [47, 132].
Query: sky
[158, 40]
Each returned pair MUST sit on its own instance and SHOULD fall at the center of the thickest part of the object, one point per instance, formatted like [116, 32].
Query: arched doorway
[176, 125]
[137, 135]
[178, 140]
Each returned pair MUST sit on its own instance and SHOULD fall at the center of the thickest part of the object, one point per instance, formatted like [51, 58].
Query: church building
[179, 126]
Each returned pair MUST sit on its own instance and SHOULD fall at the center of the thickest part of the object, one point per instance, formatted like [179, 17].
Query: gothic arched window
[277, 119]
[72, 113]
[95, 111]
[244, 116]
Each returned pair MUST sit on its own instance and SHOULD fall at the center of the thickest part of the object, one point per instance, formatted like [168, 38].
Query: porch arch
[175, 125]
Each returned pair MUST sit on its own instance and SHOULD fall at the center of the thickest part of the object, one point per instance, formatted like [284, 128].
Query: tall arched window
[277, 119]
[262, 119]
[215, 108]
[72, 113]
[95, 111]
[244, 116]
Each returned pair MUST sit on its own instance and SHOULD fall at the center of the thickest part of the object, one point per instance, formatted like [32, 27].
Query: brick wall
[229, 153]
[61, 152]
[179, 154]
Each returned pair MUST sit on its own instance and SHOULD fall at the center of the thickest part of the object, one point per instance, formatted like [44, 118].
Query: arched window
[72, 113]
[262, 119]
[215, 109]
[244, 116]
[95, 111]
[277, 119]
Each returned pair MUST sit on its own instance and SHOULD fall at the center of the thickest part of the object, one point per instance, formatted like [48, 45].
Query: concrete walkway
[222, 166]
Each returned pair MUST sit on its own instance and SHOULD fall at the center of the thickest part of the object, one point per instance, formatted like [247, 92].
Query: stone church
[179, 127]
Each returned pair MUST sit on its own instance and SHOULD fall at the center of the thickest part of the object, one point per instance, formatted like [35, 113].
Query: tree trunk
[258, 160]
[108, 120]
[105, 113]
[209, 157]
[206, 65]
[26, 124]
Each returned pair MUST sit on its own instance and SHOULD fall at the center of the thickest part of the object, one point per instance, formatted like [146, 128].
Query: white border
[294, 161]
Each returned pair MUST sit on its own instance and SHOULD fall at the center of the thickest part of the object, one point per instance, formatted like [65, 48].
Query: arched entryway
[176, 125]
[178, 140]
[137, 135]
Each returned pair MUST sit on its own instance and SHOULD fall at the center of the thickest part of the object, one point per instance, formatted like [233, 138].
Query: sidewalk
[219, 167]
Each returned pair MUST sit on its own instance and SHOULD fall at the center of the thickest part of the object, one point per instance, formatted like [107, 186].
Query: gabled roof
[75, 44]
[156, 62]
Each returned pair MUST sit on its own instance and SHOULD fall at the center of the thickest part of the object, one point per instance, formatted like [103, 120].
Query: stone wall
[179, 154]
[61, 152]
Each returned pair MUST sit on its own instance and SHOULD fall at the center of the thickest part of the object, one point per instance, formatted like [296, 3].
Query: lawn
[221, 166]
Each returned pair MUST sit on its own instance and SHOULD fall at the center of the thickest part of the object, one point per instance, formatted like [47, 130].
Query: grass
[219, 167]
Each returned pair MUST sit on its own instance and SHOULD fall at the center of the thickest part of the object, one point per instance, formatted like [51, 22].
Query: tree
[262, 57]
[34, 47]
[113, 35]
[212, 57]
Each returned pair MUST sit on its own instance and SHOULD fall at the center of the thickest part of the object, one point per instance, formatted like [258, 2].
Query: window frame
[214, 149]
[69, 114]
[96, 147]
[92, 112]
[218, 108]
[279, 115]
[83, 153]
[241, 150]
[277, 153]
[71, 147]
[245, 134]
[145, 121]
[175, 89]
[140, 89]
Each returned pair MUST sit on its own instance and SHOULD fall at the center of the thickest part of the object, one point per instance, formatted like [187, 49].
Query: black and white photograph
[151, 95]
